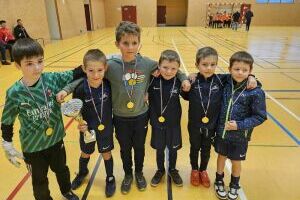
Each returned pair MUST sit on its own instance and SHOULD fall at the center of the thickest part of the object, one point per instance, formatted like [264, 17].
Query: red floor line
[26, 177]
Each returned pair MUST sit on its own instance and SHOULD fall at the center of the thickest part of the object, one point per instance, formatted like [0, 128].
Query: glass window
[262, 1]
[274, 1]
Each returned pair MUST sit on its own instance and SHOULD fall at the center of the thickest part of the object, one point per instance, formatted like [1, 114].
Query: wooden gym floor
[271, 169]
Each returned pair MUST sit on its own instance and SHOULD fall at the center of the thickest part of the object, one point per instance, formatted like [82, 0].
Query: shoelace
[139, 178]
[158, 174]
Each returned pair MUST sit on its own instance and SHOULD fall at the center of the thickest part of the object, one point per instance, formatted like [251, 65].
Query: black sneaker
[12, 60]
[233, 192]
[5, 62]
[71, 196]
[220, 189]
[176, 177]
[141, 182]
[110, 187]
[126, 183]
[157, 177]
[76, 183]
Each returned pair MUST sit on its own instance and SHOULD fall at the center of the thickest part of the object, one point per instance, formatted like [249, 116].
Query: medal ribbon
[162, 109]
[124, 80]
[209, 95]
[101, 111]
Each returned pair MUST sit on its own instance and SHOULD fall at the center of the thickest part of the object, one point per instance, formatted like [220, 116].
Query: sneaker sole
[223, 198]
[124, 192]
[178, 185]
[154, 185]
[196, 185]
[142, 189]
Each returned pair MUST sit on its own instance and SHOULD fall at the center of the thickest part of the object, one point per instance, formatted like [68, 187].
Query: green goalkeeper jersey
[31, 110]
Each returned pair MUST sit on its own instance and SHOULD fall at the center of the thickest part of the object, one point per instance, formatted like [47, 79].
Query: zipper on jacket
[246, 133]
[227, 116]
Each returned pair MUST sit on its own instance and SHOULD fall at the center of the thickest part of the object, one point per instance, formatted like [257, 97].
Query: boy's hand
[82, 127]
[60, 96]
[11, 153]
[252, 83]
[231, 126]
[192, 77]
[156, 73]
[186, 85]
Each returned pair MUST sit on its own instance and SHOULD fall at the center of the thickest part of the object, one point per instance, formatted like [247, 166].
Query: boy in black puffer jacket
[241, 111]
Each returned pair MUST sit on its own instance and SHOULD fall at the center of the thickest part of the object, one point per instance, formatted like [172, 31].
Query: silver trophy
[72, 109]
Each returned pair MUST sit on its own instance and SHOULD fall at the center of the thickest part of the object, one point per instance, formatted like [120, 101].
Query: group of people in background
[7, 39]
[228, 20]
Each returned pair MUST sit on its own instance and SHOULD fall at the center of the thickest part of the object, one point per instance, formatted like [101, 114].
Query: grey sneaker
[126, 183]
[141, 182]
[157, 177]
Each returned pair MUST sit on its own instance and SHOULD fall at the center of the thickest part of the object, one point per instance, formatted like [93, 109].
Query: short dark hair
[26, 48]
[19, 20]
[2, 22]
[126, 27]
[241, 56]
[205, 52]
[169, 55]
[94, 55]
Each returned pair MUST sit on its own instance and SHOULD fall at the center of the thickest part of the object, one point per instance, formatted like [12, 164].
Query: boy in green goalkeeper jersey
[32, 99]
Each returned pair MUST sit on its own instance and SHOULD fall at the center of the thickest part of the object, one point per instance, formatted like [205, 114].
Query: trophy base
[89, 137]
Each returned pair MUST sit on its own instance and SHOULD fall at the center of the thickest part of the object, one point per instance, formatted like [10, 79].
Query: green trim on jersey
[33, 125]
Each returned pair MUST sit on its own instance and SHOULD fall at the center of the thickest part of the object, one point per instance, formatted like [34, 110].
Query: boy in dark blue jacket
[241, 111]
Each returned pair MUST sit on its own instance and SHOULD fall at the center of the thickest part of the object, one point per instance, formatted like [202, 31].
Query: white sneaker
[233, 193]
[220, 190]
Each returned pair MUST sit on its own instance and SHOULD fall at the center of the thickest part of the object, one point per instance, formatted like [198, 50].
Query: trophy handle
[88, 136]
[79, 119]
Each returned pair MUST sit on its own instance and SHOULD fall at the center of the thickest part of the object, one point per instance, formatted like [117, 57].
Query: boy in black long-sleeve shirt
[165, 115]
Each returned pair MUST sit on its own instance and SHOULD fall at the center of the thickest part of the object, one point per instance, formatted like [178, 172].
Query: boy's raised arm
[68, 89]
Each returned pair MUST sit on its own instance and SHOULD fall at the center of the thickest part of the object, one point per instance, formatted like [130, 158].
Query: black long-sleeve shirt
[172, 113]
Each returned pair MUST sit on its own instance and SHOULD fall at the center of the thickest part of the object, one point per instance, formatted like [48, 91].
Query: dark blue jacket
[88, 112]
[172, 114]
[248, 111]
[196, 111]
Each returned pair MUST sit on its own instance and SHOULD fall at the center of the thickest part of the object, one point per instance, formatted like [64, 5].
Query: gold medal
[130, 105]
[101, 127]
[205, 120]
[49, 131]
[161, 119]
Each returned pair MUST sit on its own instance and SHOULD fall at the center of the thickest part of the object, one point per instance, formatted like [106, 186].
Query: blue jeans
[234, 25]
